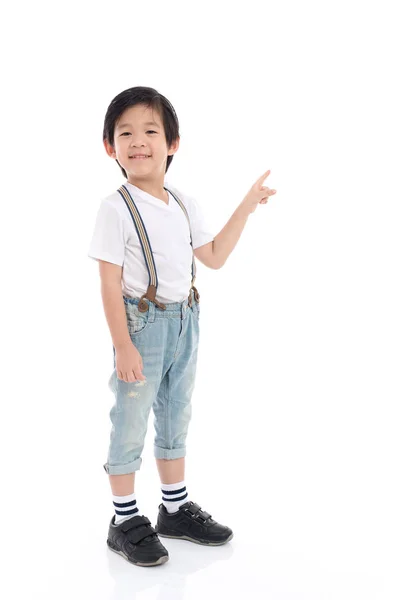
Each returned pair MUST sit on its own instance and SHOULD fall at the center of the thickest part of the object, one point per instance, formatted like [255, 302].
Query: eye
[128, 133]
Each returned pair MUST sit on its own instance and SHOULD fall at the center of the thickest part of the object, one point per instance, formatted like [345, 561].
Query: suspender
[148, 253]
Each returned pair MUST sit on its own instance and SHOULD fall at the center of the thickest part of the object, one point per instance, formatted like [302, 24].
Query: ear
[174, 147]
[109, 149]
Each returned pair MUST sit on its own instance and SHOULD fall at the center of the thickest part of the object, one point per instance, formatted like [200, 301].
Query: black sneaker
[193, 524]
[136, 540]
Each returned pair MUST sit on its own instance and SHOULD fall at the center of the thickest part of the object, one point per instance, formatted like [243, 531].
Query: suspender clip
[143, 306]
[150, 295]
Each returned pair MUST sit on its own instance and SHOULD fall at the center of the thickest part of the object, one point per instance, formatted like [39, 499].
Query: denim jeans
[168, 342]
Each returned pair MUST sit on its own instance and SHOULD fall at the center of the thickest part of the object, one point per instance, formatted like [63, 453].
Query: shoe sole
[159, 561]
[189, 539]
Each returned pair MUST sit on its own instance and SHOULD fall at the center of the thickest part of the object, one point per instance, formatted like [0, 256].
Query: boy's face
[139, 130]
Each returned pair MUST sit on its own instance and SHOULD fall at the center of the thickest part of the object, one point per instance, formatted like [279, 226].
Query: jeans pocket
[136, 320]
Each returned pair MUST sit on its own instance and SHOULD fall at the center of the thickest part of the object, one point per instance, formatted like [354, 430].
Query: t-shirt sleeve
[202, 232]
[109, 237]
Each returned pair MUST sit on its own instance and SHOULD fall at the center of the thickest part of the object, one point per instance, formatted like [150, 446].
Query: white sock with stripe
[125, 507]
[174, 495]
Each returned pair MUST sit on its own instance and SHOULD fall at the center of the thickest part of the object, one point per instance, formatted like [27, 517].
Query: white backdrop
[294, 437]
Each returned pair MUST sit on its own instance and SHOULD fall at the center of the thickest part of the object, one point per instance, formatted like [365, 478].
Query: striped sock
[174, 495]
[125, 507]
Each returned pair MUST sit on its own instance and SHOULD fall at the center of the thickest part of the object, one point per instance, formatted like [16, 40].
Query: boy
[145, 239]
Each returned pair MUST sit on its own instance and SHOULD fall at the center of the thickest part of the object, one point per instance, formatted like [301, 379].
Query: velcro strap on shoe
[135, 535]
[204, 515]
[139, 528]
[135, 522]
[195, 511]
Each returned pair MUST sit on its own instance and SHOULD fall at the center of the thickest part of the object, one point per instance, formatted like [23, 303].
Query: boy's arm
[215, 253]
[114, 307]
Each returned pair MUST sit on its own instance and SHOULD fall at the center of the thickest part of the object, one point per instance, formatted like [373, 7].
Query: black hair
[150, 97]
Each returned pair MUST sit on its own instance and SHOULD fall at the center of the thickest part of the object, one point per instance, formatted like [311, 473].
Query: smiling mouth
[140, 157]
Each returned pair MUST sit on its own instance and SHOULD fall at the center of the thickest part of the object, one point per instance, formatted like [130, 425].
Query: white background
[294, 439]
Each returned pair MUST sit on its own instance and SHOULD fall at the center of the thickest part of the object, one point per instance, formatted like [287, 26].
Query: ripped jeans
[168, 342]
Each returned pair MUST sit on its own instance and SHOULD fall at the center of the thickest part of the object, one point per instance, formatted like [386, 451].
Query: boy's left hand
[258, 194]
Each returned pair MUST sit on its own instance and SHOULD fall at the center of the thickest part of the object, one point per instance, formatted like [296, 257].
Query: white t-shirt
[115, 240]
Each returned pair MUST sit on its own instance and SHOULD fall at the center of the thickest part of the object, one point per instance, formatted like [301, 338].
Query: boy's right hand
[129, 363]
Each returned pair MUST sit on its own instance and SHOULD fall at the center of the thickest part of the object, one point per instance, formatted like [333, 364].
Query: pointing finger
[263, 176]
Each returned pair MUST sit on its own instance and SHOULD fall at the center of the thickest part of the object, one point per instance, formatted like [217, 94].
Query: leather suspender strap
[148, 253]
